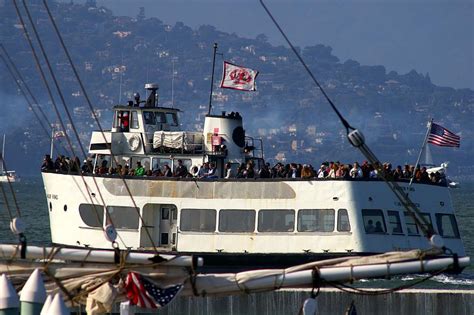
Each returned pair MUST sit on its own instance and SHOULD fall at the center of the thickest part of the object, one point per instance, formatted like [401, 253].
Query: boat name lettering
[52, 196]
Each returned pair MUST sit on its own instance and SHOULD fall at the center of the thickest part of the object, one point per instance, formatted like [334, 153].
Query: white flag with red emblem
[238, 78]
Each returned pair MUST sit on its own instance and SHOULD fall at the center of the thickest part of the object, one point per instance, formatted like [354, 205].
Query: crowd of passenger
[209, 170]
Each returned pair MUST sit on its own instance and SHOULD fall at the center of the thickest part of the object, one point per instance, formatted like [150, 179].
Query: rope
[43, 77]
[404, 199]
[94, 115]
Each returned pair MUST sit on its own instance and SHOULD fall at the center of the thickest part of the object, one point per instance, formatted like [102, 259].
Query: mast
[3, 154]
[212, 78]
[428, 128]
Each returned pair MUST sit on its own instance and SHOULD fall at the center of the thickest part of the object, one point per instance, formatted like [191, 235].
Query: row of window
[374, 223]
[275, 220]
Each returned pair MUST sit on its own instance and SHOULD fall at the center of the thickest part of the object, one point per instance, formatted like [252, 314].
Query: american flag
[443, 137]
[144, 293]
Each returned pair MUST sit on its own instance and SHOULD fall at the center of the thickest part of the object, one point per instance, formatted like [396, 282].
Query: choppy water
[32, 203]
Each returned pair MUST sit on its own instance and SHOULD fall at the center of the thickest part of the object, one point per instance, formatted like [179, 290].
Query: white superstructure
[235, 219]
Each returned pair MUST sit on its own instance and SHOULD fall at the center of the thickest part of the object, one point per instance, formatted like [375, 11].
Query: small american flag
[443, 137]
[144, 293]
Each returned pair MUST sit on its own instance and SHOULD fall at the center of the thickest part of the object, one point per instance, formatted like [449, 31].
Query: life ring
[134, 142]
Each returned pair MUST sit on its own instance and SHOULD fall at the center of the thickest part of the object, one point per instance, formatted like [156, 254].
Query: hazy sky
[434, 36]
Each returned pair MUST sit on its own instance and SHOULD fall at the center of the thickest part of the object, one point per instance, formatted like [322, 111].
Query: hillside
[117, 55]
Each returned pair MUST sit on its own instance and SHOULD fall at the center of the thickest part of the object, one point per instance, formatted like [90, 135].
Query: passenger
[194, 172]
[87, 168]
[341, 171]
[57, 164]
[322, 173]
[181, 170]
[249, 171]
[407, 174]
[112, 171]
[149, 173]
[370, 228]
[75, 165]
[158, 173]
[365, 169]
[374, 172]
[103, 169]
[241, 171]
[228, 173]
[424, 175]
[356, 171]
[203, 170]
[213, 172]
[398, 173]
[118, 170]
[264, 172]
[125, 170]
[378, 228]
[48, 164]
[293, 171]
[306, 172]
[131, 172]
[332, 170]
[167, 171]
[64, 165]
[140, 170]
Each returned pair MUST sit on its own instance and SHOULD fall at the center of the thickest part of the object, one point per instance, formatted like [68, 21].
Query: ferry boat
[229, 222]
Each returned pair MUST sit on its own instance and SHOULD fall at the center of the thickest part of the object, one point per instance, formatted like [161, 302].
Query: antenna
[212, 78]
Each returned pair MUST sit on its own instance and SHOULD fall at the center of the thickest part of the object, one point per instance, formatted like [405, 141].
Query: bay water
[33, 206]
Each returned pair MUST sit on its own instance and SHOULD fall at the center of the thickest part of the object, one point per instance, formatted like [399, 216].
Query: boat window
[412, 228]
[343, 223]
[428, 219]
[92, 215]
[134, 120]
[236, 220]
[447, 226]
[123, 217]
[102, 164]
[374, 222]
[171, 119]
[160, 163]
[394, 222]
[276, 220]
[198, 220]
[316, 220]
[121, 120]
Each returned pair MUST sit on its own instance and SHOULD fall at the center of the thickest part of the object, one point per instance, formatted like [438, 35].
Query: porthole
[65, 208]
[50, 206]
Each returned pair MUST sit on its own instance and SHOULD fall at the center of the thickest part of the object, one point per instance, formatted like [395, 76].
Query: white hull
[65, 194]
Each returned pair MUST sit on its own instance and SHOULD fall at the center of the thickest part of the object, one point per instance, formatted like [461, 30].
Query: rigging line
[7, 204]
[401, 196]
[89, 103]
[25, 85]
[43, 77]
[343, 120]
[12, 192]
[30, 107]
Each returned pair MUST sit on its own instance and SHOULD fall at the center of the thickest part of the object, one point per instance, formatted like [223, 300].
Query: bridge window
[374, 222]
[412, 228]
[123, 217]
[236, 220]
[447, 226]
[343, 224]
[172, 119]
[394, 222]
[276, 220]
[198, 220]
[134, 120]
[316, 220]
[92, 215]
[428, 219]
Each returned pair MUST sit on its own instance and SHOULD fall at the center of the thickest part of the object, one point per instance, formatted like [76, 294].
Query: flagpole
[212, 78]
[52, 144]
[421, 150]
